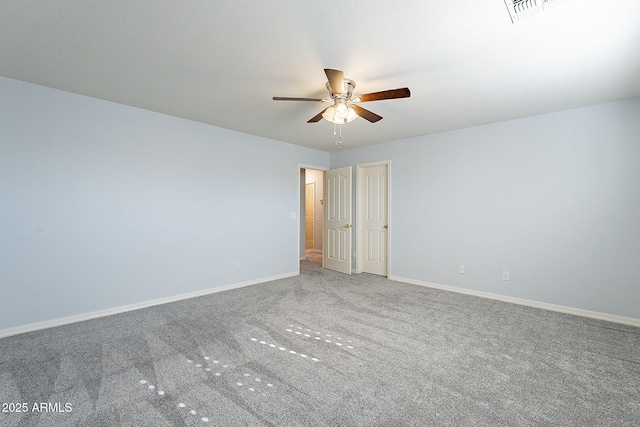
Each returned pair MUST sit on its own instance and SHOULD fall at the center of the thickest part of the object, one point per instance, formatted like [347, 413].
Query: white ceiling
[221, 62]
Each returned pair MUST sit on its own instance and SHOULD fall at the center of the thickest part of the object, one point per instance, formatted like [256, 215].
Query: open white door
[337, 244]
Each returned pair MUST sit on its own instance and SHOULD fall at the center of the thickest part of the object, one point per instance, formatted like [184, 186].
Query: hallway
[313, 255]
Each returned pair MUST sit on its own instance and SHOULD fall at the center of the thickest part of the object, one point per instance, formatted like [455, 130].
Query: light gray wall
[104, 205]
[553, 199]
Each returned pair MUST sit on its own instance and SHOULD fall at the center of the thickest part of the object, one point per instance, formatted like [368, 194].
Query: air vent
[521, 9]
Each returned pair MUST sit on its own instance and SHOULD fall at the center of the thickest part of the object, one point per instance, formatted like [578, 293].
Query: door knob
[347, 226]
[386, 226]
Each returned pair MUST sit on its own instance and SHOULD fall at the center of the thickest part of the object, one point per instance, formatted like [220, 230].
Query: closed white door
[337, 195]
[374, 220]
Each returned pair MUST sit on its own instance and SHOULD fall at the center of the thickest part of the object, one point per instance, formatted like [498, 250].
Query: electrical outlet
[237, 264]
[505, 275]
[461, 270]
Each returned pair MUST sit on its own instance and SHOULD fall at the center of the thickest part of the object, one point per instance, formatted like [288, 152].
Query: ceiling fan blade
[386, 94]
[366, 114]
[286, 98]
[317, 118]
[336, 80]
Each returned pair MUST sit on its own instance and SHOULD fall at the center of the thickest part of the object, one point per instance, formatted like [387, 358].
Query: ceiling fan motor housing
[347, 90]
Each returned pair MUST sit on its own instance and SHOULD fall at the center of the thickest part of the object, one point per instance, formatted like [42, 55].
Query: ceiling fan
[343, 108]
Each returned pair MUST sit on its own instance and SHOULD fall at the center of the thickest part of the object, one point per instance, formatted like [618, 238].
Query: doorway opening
[312, 215]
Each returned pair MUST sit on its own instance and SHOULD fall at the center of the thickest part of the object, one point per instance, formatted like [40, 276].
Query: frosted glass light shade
[340, 114]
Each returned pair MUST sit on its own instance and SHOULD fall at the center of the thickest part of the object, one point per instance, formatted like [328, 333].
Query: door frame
[359, 217]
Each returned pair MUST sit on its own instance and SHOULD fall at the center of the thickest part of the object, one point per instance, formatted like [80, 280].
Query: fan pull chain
[338, 131]
[338, 143]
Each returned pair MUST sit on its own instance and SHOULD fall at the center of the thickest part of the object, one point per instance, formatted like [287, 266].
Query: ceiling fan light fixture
[341, 111]
[339, 114]
[329, 113]
[351, 115]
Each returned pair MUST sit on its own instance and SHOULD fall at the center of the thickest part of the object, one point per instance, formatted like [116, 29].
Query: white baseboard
[116, 310]
[521, 301]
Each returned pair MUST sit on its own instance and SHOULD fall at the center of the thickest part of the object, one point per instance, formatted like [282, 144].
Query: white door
[374, 220]
[337, 195]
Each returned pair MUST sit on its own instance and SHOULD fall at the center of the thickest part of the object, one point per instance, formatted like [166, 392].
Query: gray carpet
[325, 349]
